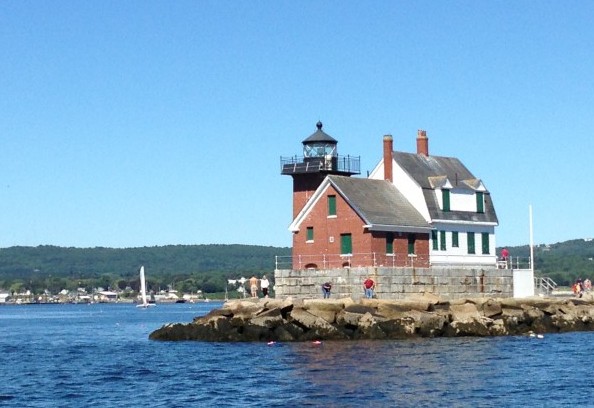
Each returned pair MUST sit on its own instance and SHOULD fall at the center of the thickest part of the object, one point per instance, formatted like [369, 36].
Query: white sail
[143, 286]
[144, 303]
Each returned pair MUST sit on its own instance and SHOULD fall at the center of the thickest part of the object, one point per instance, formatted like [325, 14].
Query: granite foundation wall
[396, 283]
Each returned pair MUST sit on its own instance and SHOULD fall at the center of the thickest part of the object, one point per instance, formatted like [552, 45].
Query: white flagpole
[531, 241]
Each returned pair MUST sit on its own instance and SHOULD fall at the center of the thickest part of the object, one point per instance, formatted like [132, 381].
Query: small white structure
[524, 278]
[523, 283]
[107, 296]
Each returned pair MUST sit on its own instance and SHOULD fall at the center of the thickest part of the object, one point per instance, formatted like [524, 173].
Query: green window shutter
[389, 243]
[445, 195]
[442, 240]
[310, 235]
[455, 239]
[411, 243]
[346, 244]
[434, 239]
[480, 202]
[485, 243]
[332, 205]
[471, 249]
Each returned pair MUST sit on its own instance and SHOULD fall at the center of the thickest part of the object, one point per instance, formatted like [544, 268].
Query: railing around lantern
[300, 164]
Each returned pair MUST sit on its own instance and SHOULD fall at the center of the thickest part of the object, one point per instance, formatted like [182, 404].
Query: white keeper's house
[452, 200]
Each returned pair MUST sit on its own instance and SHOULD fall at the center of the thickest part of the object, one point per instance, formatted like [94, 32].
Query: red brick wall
[325, 254]
[303, 188]
[400, 248]
[325, 227]
[421, 250]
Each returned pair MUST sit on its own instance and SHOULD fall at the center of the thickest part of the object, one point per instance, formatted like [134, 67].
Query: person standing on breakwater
[578, 287]
[264, 284]
[505, 257]
[254, 286]
[368, 286]
[326, 288]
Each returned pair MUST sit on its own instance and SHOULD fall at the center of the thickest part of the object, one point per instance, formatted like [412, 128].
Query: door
[346, 244]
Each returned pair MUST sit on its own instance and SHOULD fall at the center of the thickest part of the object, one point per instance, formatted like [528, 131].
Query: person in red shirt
[368, 287]
[505, 256]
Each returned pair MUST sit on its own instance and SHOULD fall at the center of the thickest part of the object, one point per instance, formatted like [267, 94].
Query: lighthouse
[320, 158]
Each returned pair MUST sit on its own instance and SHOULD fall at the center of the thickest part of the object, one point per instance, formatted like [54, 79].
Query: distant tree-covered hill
[189, 268]
[563, 262]
[184, 267]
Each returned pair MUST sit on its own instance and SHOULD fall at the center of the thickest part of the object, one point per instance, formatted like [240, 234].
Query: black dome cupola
[320, 157]
[319, 144]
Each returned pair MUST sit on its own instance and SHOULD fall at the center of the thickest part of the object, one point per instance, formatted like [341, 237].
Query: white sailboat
[144, 303]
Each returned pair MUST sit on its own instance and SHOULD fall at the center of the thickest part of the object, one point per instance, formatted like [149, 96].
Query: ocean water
[100, 356]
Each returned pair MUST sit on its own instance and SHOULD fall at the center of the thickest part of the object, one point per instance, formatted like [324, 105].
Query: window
[485, 242]
[331, 205]
[309, 236]
[455, 239]
[480, 202]
[434, 240]
[445, 195]
[442, 240]
[389, 243]
[411, 244]
[346, 244]
[471, 249]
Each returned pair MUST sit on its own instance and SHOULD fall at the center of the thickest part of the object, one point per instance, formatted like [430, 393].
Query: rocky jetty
[346, 319]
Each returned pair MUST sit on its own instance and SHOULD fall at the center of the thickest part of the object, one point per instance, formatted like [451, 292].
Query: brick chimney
[388, 149]
[422, 143]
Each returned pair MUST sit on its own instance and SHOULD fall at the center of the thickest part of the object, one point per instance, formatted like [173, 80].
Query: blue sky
[141, 123]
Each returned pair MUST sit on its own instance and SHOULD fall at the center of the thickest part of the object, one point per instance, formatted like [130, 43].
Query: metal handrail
[375, 259]
[330, 261]
[546, 283]
[520, 262]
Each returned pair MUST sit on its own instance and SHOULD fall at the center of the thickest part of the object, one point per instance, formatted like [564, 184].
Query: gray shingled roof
[428, 172]
[379, 203]
[421, 168]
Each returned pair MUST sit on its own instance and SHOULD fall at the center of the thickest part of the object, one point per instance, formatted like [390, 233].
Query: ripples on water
[100, 355]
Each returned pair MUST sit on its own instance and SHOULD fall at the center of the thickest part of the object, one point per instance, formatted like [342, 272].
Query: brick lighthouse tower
[320, 158]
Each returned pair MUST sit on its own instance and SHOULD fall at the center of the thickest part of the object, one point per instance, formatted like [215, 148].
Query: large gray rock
[466, 312]
[315, 328]
[345, 318]
[368, 328]
[491, 308]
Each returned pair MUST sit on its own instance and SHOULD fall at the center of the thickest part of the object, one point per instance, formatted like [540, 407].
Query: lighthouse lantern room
[320, 158]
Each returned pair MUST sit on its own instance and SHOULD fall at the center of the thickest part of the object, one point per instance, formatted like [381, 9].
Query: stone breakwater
[346, 319]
